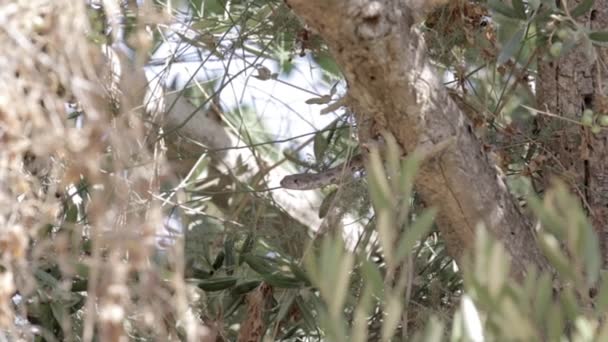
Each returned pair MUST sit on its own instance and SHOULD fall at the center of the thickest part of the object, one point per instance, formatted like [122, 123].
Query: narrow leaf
[327, 203]
[417, 231]
[282, 281]
[601, 303]
[246, 247]
[216, 284]
[518, 6]
[373, 278]
[582, 8]
[534, 4]
[592, 255]
[325, 99]
[320, 146]
[502, 8]
[219, 260]
[549, 4]
[599, 36]
[552, 250]
[307, 315]
[229, 261]
[246, 286]
[512, 46]
[260, 264]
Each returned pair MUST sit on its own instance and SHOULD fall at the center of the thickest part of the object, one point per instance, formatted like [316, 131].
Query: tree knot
[372, 21]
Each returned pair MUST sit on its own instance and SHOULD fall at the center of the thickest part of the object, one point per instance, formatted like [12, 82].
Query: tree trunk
[392, 87]
[566, 87]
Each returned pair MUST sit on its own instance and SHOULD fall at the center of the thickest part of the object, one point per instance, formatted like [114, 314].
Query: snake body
[311, 181]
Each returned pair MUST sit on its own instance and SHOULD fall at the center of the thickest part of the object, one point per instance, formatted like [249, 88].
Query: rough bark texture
[597, 193]
[393, 87]
[567, 87]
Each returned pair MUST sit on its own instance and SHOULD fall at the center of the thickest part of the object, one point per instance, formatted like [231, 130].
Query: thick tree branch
[393, 87]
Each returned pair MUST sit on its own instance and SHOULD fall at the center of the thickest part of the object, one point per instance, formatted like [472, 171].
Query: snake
[311, 181]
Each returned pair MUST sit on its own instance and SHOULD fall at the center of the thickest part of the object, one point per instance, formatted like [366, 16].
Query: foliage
[87, 245]
[569, 306]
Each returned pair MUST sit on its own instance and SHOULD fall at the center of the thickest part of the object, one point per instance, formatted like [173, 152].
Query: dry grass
[104, 228]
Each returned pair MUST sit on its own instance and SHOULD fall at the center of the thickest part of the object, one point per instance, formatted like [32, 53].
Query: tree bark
[392, 87]
[566, 87]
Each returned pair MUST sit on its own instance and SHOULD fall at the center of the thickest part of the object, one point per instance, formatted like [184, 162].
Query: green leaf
[286, 305]
[229, 256]
[327, 203]
[542, 299]
[434, 330]
[281, 281]
[582, 8]
[499, 264]
[76, 303]
[290, 332]
[219, 260]
[320, 146]
[599, 36]
[208, 7]
[246, 286]
[299, 273]
[325, 99]
[534, 4]
[46, 316]
[307, 315]
[549, 4]
[379, 187]
[273, 273]
[393, 162]
[592, 255]
[518, 6]
[373, 278]
[216, 284]
[246, 247]
[601, 303]
[570, 303]
[552, 250]
[261, 265]
[512, 46]
[79, 284]
[417, 231]
[46, 279]
[549, 221]
[71, 214]
[502, 8]
[327, 63]
[58, 310]
[233, 303]
[409, 168]
[199, 273]
[392, 310]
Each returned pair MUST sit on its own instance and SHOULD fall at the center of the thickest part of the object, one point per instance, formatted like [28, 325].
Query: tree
[136, 209]
[380, 34]
[572, 87]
